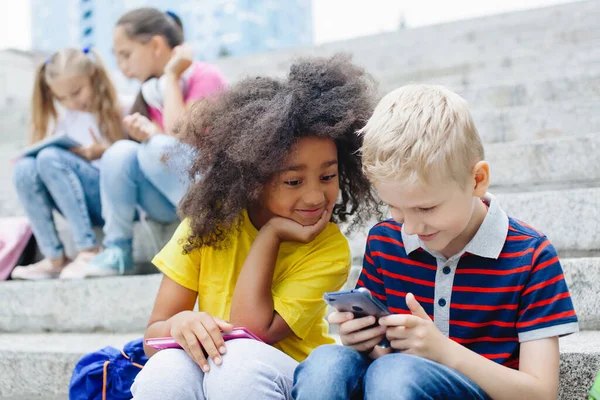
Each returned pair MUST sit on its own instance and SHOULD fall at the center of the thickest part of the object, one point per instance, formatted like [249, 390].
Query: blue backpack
[107, 373]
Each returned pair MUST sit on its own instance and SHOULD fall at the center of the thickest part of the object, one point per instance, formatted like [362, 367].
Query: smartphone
[170, 343]
[361, 303]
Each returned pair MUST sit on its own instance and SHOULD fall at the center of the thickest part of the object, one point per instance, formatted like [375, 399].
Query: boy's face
[444, 214]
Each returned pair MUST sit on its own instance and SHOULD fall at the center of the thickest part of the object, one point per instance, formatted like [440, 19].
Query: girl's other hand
[181, 60]
[288, 230]
[139, 127]
[92, 152]
[195, 331]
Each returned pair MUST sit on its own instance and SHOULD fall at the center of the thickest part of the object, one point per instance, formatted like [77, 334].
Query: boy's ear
[481, 177]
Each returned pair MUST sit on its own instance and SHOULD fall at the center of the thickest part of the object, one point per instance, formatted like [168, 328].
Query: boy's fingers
[367, 345]
[396, 332]
[402, 345]
[405, 320]
[357, 324]
[191, 345]
[339, 317]
[364, 335]
[415, 307]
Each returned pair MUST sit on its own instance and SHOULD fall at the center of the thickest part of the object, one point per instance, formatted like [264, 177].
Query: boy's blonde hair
[418, 132]
[75, 62]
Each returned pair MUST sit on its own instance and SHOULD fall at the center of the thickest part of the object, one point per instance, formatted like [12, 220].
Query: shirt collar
[487, 242]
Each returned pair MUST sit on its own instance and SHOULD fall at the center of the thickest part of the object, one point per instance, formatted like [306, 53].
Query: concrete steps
[39, 366]
[123, 304]
[570, 218]
[538, 121]
[541, 33]
[547, 164]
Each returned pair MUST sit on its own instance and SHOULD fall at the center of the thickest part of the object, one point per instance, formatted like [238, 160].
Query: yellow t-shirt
[302, 274]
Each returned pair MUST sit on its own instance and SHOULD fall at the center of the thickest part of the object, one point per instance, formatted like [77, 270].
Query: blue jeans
[57, 179]
[338, 372]
[135, 174]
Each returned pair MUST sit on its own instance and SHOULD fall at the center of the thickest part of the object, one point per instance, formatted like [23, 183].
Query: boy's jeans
[338, 372]
[57, 179]
[135, 174]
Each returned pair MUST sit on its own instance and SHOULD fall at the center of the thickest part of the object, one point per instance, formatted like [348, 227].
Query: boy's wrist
[450, 354]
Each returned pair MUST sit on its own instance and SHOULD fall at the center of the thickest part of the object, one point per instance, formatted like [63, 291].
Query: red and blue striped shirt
[507, 286]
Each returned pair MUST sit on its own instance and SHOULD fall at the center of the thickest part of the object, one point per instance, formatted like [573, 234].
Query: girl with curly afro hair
[279, 167]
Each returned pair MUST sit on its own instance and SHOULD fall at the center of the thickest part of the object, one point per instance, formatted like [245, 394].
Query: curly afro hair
[244, 135]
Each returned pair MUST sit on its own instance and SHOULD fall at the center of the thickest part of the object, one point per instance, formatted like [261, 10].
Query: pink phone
[170, 343]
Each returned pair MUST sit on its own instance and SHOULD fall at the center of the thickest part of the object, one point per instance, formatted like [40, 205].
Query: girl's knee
[157, 147]
[25, 173]
[169, 374]
[250, 369]
[49, 158]
[121, 150]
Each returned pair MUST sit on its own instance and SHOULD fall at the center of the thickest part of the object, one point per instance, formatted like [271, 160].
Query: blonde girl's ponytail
[42, 105]
[106, 104]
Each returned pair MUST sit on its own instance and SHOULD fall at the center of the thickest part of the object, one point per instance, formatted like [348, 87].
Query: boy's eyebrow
[303, 166]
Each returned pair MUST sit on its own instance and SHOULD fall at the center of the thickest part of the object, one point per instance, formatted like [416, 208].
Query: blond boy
[479, 298]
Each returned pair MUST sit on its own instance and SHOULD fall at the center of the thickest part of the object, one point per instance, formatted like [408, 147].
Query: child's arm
[173, 315]
[537, 377]
[252, 303]
[174, 103]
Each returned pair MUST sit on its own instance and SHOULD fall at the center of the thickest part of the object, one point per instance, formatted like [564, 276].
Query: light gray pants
[250, 370]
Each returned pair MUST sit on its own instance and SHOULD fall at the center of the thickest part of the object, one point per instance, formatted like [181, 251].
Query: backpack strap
[105, 373]
[133, 363]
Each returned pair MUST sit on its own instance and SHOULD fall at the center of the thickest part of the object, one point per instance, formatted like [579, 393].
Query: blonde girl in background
[67, 181]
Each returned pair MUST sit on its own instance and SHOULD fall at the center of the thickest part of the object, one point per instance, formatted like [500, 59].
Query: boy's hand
[195, 331]
[139, 127]
[415, 334]
[288, 230]
[353, 333]
[182, 58]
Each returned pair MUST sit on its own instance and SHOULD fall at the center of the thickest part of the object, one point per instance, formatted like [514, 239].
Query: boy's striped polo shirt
[507, 285]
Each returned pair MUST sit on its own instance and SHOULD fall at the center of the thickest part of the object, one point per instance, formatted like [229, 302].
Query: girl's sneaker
[76, 268]
[110, 262]
[44, 269]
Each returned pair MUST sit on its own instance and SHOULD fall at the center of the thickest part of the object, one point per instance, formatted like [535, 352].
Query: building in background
[215, 28]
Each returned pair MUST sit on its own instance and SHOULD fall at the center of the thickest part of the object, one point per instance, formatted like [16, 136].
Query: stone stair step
[539, 121]
[546, 164]
[39, 366]
[115, 304]
[123, 304]
[570, 218]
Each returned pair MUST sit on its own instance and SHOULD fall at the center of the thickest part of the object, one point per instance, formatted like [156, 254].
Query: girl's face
[73, 92]
[307, 185]
[137, 60]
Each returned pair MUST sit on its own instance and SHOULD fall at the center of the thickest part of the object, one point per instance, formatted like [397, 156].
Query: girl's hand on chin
[288, 230]
[181, 60]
